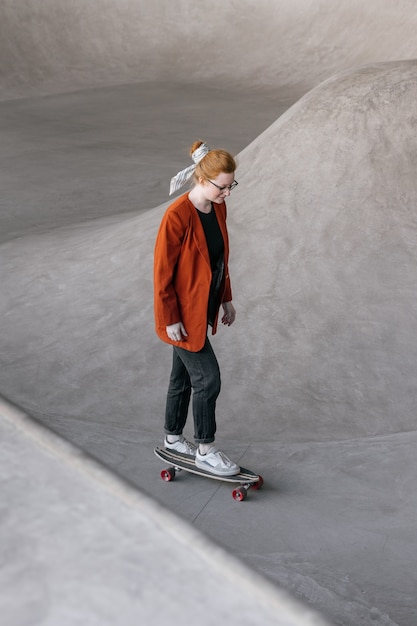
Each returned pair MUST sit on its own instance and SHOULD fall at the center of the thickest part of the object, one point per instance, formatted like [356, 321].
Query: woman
[191, 281]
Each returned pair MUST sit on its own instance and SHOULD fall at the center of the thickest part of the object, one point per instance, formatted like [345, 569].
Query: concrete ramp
[325, 265]
[324, 274]
[88, 548]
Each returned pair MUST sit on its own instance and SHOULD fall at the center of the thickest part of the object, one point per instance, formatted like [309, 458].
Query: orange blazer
[182, 273]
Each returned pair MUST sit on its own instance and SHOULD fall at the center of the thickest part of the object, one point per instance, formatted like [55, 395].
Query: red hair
[214, 163]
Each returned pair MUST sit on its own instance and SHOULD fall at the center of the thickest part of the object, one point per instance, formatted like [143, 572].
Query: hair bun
[195, 146]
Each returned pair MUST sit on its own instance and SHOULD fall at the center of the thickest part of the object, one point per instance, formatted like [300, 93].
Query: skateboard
[246, 479]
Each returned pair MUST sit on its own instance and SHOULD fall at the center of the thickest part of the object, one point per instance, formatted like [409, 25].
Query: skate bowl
[318, 371]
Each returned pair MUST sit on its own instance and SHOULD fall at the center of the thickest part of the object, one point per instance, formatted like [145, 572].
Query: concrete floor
[319, 379]
[81, 546]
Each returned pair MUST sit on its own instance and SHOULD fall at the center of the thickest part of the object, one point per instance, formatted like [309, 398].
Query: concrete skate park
[99, 104]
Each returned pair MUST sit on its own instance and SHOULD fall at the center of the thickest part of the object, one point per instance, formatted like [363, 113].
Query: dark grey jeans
[199, 372]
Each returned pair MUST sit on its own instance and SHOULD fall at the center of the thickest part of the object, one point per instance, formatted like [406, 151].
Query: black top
[213, 235]
[215, 246]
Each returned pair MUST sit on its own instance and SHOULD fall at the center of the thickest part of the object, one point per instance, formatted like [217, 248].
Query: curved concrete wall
[324, 276]
[54, 45]
[322, 224]
[325, 270]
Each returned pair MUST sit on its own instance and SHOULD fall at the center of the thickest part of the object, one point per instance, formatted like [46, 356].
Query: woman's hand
[229, 313]
[176, 332]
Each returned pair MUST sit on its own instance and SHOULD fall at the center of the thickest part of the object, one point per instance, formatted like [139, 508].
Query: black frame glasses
[229, 187]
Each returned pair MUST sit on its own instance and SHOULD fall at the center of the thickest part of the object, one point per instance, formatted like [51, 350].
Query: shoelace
[224, 458]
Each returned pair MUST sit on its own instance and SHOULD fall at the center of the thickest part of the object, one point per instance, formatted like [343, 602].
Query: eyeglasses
[229, 187]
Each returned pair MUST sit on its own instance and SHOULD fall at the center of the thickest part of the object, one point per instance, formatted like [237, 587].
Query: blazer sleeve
[167, 251]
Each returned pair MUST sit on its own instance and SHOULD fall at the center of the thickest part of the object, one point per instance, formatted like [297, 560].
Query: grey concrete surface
[80, 546]
[319, 378]
[106, 151]
[53, 45]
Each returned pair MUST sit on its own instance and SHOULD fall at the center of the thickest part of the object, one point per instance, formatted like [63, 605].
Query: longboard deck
[187, 463]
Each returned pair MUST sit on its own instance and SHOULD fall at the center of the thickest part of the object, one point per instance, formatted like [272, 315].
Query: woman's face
[217, 189]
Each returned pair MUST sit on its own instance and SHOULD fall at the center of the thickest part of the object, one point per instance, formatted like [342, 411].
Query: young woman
[191, 282]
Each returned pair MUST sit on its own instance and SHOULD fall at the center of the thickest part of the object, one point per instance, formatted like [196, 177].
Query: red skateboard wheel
[239, 494]
[258, 484]
[168, 474]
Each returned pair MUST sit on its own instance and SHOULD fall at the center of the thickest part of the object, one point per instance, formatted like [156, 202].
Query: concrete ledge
[81, 544]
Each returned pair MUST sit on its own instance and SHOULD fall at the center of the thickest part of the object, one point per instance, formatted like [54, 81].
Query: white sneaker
[182, 446]
[217, 463]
